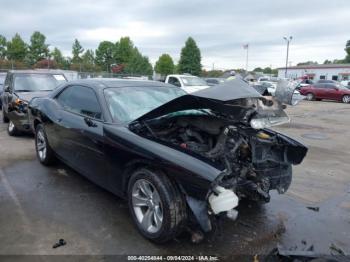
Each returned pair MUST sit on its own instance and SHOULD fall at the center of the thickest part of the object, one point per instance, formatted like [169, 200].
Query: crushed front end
[258, 161]
[18, 114]
[252, 158]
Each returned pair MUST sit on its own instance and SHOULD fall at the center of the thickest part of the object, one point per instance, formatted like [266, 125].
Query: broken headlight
[265, 122]
[269, 113]
[21, 105]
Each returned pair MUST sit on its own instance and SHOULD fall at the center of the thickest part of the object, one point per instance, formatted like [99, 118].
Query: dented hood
[216, 98]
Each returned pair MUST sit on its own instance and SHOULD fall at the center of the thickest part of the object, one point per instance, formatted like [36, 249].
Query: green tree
[258, 69]
[77, 50]
[327, 62]
[212, 73]
[190, 59]
[124, 50]
[105, 55]
[16, 48]
[57, 56]
[138, 64]
[164, 65]
[67, 62]
[176, 68]
[338, 61]
[38, 49]
[88, 60]
[267, 70]
[88, 57]
[2, 47]
[307, 63]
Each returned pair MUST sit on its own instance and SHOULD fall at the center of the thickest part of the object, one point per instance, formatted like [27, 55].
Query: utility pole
[288, 41]
[246, 47]
[48, 57]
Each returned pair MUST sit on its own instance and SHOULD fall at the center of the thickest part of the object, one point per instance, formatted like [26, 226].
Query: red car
[331, 91]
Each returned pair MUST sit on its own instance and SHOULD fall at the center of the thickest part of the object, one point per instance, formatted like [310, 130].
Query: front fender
[193, 175]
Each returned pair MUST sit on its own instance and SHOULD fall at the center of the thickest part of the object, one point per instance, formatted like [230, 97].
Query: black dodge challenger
[180, 159]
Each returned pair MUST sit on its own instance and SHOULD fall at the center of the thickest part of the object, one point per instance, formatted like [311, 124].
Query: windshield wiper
[20, 90]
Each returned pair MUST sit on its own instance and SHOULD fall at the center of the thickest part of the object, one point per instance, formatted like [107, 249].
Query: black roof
[117, 82]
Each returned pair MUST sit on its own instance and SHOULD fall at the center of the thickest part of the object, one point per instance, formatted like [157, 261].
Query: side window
[332, 86]
[81, 100]
[174, 81]
[318, 85]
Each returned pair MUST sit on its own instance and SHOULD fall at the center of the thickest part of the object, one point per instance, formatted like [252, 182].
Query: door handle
[89, 122]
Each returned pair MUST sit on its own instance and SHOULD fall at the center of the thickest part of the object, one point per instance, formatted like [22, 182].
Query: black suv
[19, 88]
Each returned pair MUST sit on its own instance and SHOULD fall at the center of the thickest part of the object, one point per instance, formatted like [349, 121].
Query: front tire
[156, 205]
[44, 152]
[310, 96]
[346, 99]
[12, 129]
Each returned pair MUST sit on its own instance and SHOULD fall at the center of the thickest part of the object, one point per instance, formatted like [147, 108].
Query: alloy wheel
[41, 145]
[11, 126]
[310, 97]
[346, 99]
[147, 206]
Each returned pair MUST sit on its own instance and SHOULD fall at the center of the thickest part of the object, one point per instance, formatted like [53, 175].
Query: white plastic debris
[225, 200]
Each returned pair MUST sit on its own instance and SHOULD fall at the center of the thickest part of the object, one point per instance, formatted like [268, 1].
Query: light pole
[48, 57]
[288, 41]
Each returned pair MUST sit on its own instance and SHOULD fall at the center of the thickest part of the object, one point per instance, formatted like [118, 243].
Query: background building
[336, 72]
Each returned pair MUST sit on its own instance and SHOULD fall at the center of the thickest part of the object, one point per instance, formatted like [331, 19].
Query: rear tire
[12, 129]
[153, 198]
[4, 116]
[310, 96]
[346, 99]
[43, 150]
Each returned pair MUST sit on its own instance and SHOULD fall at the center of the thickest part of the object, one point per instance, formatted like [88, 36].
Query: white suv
[187, 82]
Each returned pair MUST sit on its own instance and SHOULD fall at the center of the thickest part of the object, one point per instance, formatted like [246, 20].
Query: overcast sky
[319, 28]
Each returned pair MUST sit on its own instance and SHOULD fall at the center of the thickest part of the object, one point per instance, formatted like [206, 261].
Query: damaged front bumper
[220, 201]
[20, 120]
[253, 183]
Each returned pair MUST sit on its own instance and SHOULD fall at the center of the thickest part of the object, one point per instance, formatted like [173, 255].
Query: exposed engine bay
[253, 161]
[231, 135]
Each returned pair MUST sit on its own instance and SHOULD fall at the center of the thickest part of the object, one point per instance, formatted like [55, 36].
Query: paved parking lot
[39, 205]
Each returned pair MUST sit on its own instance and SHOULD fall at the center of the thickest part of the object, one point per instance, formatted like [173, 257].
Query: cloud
[135, 30]
[220, 28]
